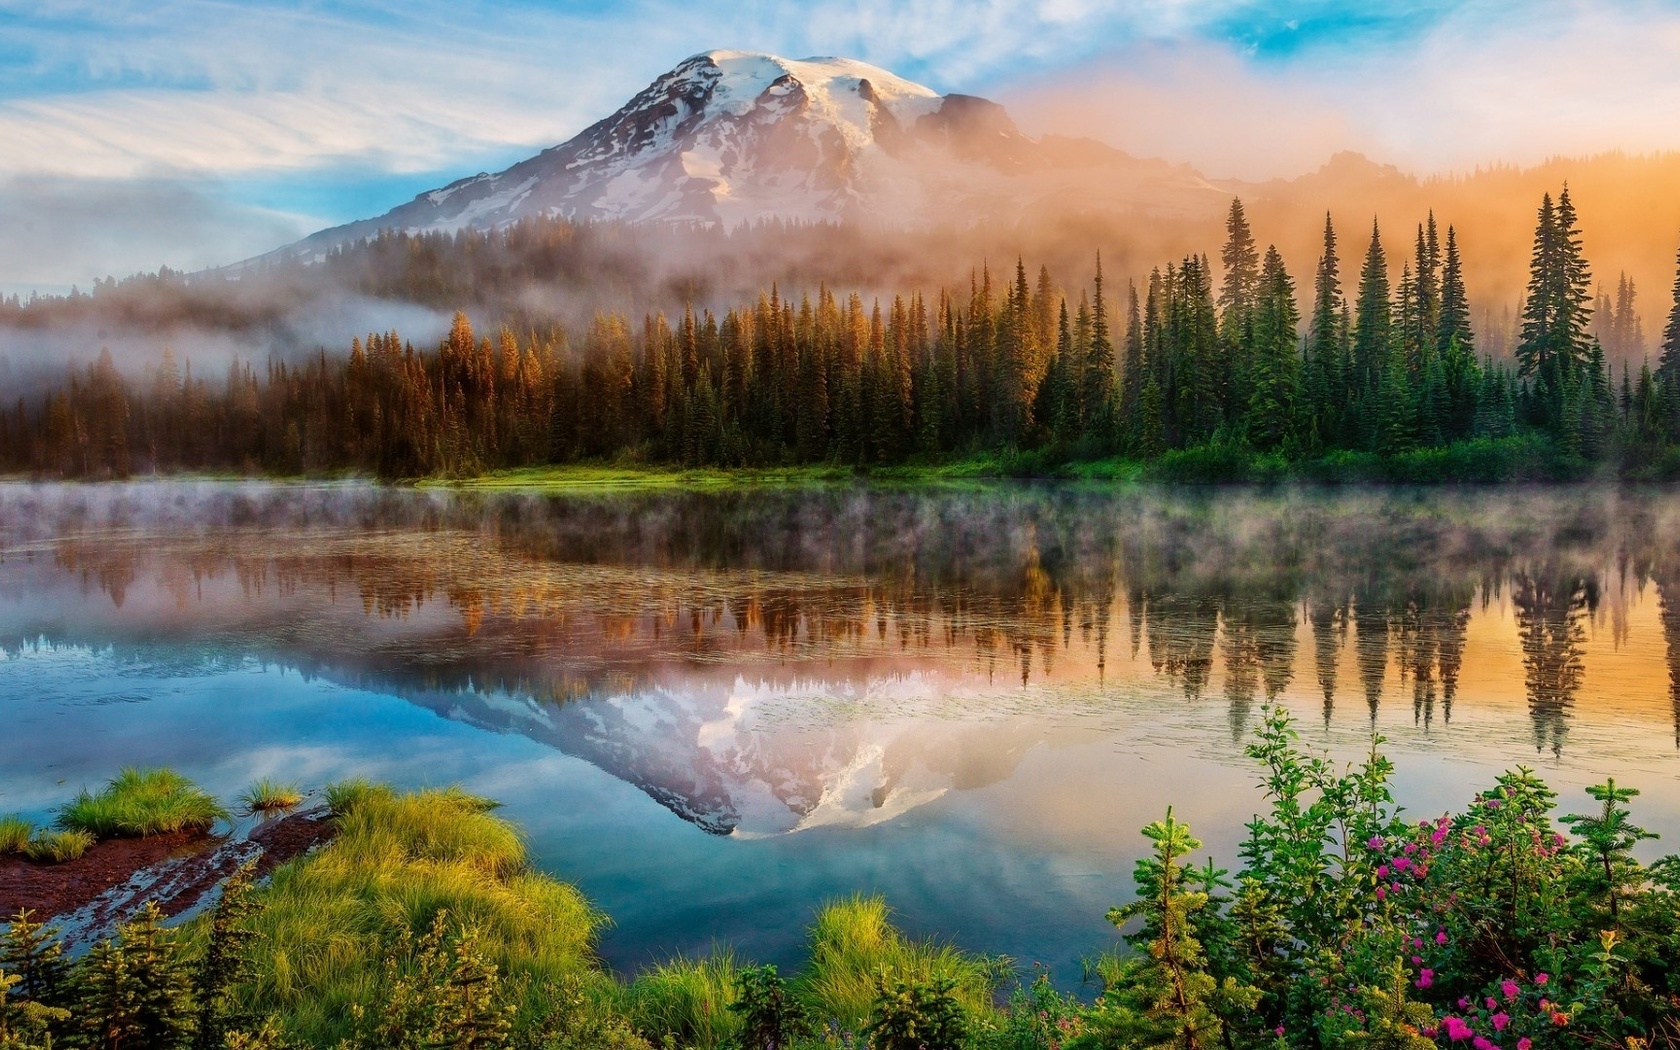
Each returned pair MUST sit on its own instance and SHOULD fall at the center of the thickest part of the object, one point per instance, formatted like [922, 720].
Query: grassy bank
[1524, 458]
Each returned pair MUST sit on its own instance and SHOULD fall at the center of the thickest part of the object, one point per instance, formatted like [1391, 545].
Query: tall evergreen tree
[1373, 333]
[1454, 319]
[1669, 363]
[1275, 375]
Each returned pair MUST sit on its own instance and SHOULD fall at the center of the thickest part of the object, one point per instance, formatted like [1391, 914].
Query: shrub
[56, 847]
[771, 1018]
[14, 834]
[917, 1015]
[143, 802]
[270, 796]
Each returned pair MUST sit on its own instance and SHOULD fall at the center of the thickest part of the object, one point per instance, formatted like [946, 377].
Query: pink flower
[1417, 960]
[1500, 1020]
[1402, 863]
[1382, 871]
[1525, 1043]
[1426, 977]
[1509, 988]
[1482, 1043]
[1458, 1030]
[1464, 1002]
[1541, 978]
[1278, 1030]
[1492, 1003]
[1382, 893]
[1441, 938]
[1375, 842]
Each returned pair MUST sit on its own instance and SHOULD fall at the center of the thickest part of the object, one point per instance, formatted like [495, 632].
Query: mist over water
[713, 710]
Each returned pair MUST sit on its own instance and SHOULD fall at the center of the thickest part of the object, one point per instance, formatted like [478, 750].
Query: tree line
[1192, 359]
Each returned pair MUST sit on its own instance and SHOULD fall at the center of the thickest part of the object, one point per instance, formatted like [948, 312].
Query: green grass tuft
[344, 795]
[685, 1002]
[270, 796]
[142, 802]
[14, 834]
[854, 944]
[328, 920]
[56, 847]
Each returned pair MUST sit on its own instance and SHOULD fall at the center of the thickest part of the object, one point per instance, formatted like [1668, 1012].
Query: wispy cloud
[1469, 87]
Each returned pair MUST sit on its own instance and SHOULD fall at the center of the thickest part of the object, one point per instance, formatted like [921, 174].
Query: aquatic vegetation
[343, 795]
[268, 795]
[14, 834]
[141, 802]
[49, 846]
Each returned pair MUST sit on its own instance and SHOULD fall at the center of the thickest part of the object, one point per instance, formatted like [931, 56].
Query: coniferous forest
[1211, 368]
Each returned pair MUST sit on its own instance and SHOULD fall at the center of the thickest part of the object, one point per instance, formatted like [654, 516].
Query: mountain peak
[732, 136]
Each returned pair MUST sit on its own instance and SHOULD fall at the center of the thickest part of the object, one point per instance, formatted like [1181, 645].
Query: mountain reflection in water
[774, 660]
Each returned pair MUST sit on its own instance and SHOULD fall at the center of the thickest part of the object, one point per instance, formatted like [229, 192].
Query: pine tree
[1237, 294]
[1324, 377]
[1454, 322]
[1097, 399]
[135, 991]
[1373, 333]
[1668, 368]
[1275, 376]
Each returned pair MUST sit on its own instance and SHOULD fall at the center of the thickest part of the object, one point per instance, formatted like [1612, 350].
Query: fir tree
[1275, 377]
[1373, 325]
[1454, 322]
[1669, 361]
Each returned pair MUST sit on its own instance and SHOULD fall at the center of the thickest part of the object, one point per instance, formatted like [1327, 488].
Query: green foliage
[32, 952]
[142, 802]
[330, 924]
[55, 847]
[25, 1025]
[1036, 1017]
[853, 944]
[134, 990]
[15, 833]
[268, 795]
[226, 965]
[1167, 997]
[343, 795]
[771, 1018]
[441, 989]
[915, 1014]
[687, 1001]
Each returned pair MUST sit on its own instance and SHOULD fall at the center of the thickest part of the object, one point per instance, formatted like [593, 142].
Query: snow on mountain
[734, 136]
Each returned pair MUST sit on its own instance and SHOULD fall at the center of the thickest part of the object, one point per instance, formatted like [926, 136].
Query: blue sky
[249, 123]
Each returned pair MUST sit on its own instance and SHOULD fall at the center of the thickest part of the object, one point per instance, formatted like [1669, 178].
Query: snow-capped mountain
[731, 136]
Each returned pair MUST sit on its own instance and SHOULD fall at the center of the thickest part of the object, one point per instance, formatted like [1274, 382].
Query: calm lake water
[713, 711]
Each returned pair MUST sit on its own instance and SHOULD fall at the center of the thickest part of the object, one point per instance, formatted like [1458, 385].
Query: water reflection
[767, 661]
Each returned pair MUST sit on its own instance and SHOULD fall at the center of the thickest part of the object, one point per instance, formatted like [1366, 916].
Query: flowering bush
[1491, 929]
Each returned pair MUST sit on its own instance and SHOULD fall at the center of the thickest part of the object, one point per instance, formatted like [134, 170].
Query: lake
[714, 710]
